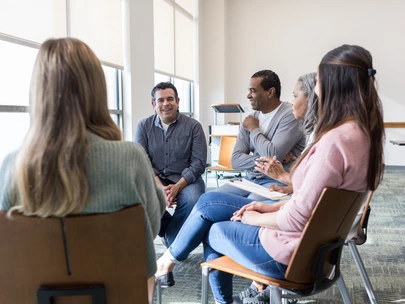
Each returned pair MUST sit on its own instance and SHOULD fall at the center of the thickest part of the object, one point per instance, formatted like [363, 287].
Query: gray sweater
[285, 134]
[119, 175]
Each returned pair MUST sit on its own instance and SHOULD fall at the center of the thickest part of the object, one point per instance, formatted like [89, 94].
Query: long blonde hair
[68, 98]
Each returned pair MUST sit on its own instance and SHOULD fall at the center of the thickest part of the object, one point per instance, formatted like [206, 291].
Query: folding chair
[315, 264]
[224, 159]
[359, 239]
[77, 260]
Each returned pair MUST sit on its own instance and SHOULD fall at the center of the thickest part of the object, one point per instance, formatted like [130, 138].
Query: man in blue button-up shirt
[177, 149]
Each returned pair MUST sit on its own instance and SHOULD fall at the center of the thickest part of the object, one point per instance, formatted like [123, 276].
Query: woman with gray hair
[304, 93]
[305, 107]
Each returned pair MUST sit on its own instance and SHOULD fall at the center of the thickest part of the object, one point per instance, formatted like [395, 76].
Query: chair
[359, 239]
[224, 159]
[77, 260]
[314, 265]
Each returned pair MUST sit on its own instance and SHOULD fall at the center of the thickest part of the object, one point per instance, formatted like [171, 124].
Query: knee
[191, 193]
[207, 197]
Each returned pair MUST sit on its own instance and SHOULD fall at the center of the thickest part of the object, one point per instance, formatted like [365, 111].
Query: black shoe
[249, 292]
[166, 280]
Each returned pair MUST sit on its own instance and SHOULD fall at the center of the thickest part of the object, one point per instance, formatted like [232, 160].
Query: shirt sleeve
[198, 157]
[142, 139]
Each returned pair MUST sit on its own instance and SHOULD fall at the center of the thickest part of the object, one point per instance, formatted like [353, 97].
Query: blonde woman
[73, 160]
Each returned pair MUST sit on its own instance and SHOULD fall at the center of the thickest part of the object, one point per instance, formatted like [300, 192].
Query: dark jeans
[186, 199]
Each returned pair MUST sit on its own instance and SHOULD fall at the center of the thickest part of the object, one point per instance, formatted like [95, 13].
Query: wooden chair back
[101, 249]
[330, 222]
[225, 151]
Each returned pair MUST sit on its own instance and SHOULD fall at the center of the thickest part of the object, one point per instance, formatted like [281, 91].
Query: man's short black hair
[163, 86]
[269, 80]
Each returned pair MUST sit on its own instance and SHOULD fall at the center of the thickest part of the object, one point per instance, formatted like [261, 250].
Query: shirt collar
[159, 125]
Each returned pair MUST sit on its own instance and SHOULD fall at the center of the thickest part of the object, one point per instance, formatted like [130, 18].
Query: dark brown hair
[347, 92]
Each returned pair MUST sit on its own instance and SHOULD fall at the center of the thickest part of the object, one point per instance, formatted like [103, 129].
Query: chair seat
[220, 168]
[230, 266]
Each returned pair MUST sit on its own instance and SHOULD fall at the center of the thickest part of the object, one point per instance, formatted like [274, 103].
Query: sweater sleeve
[327, 169]
[153, 202]
[286, 136]
[241, 158]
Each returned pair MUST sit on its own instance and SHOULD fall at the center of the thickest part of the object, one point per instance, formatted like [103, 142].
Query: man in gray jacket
[271, 130]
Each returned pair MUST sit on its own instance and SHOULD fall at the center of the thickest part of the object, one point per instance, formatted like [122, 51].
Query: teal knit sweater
[119, 175]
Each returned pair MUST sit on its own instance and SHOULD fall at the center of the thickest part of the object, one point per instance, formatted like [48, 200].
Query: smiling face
[166, 105]
[258, 97]
[300, 102]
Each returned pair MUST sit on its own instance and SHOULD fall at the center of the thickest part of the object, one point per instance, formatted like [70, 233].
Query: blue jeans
[265, 182]
[209, 223]
[186, 199]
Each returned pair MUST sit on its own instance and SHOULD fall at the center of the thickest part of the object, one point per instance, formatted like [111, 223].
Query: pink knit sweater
[338, 160]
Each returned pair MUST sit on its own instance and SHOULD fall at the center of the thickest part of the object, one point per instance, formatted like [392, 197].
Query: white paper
[244, 184]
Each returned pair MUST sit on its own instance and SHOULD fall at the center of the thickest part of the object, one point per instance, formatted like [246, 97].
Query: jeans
[186, 199]
[209, 223]
[265, 182]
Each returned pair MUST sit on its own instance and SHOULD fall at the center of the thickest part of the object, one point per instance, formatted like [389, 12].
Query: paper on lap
[256, 189]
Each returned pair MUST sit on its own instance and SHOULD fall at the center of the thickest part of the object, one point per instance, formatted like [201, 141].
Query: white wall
[212, 59]
[138, 76]
[290, 37]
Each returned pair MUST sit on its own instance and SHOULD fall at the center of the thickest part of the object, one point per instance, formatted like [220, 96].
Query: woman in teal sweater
[73, 160]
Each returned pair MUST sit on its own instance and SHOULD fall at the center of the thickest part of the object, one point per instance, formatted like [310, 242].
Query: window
[15, 78]
[174, 26]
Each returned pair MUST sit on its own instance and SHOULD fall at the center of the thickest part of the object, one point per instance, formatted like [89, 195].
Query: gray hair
[308, 82]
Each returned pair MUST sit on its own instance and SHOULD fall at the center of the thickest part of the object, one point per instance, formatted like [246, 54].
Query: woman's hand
[289, 158]
[251, 218]
[273, 168]
[270, 166]
[282, 189]
[254, 206]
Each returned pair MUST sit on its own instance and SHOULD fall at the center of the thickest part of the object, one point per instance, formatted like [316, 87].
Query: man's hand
[250, 123]
[171, 192]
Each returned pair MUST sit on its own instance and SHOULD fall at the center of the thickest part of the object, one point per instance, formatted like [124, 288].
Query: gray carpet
[383, 255]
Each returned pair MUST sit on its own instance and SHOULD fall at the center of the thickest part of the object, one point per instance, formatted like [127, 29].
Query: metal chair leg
[343, 290]
[284, 300]
[158, 287]
[275, 295]
[216, 177]
[362, 270]
[204, 285]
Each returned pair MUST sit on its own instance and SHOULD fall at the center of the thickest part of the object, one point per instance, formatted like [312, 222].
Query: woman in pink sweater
[347, 153]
